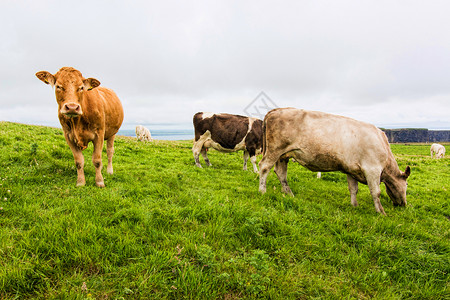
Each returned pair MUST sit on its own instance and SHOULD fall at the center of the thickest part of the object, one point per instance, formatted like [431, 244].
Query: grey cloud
[344, 57]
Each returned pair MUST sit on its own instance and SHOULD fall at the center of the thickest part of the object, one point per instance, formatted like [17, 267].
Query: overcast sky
[383, 62]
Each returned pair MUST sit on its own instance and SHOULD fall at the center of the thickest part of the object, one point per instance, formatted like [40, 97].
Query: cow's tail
[264, 128]
[264, 136]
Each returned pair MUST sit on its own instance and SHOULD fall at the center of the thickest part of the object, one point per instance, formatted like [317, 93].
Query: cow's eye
[81, 88]
[60, 88]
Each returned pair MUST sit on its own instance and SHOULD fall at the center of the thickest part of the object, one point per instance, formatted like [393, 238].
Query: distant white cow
[438, 150]
[143, 134]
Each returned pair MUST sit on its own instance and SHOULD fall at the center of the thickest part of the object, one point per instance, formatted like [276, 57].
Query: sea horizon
[185, 131]
[161, 131]
[162, 134]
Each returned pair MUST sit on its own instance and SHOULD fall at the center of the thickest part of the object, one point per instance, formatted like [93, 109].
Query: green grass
[164, 229]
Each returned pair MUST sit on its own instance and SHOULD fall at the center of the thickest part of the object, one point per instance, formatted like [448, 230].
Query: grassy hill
[163, 228]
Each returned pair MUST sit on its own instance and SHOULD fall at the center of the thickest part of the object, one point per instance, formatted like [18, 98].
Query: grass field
[164, 229]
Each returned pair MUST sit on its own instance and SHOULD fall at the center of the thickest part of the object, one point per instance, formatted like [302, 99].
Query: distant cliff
[416, 135]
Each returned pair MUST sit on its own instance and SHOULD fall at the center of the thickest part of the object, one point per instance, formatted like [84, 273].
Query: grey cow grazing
[324, 142]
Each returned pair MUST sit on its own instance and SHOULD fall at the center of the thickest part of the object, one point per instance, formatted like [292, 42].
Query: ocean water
[172, 132]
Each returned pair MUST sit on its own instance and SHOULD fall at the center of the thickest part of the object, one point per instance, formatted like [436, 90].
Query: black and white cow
[227, 133]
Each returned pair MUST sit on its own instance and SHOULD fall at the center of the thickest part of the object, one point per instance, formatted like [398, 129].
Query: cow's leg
[196, 153]
[253, 160]
[97, 160]
[319, 175]
[265, 165]
[110, 153]
[373, 181]
[79, 161]
[353, 188]
[252, 153]
[281, 171]
[246, 155]
[205, 156]
[196, 149]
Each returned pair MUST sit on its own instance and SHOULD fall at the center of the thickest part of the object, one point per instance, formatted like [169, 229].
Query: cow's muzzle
[71, 110]
[400, 203]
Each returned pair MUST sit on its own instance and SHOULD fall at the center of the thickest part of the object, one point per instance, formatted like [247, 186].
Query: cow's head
[396, 187]
[70, 87]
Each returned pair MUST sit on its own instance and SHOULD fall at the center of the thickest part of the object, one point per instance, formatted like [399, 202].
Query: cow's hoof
[110, 171]
[380, 210]
[81, 183]
[288, 191]
[100, 184]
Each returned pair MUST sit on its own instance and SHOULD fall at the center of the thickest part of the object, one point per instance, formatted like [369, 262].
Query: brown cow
[87, 114]
[325, 142]
[227, 133]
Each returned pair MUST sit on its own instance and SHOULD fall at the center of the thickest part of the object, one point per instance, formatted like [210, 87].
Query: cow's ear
[407, 172]
[46, 77]
[91, 83]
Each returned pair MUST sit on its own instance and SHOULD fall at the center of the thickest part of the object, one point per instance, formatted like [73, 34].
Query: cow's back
[106, 104]
[325, 142]
[227, 130]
